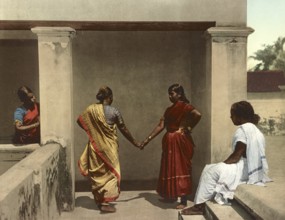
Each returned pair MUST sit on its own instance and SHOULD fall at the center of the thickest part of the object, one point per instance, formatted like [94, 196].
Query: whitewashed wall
[224, 12]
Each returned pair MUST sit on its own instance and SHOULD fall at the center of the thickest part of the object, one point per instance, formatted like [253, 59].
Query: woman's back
[112, 115]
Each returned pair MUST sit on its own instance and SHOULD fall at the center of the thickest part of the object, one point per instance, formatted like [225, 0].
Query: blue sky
[267, 18]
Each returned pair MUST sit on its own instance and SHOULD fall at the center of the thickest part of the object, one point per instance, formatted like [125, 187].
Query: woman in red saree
[177, 147]
[27, 118]
[100, 160]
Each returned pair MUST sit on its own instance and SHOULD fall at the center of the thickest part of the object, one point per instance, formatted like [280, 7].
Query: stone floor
[267, 201]
[135, 205]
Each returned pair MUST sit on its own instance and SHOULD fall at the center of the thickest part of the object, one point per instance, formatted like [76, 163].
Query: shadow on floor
[85, 202]
[153, 198]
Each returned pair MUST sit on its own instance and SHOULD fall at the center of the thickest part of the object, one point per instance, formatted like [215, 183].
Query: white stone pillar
[226, 83]
[56, 90]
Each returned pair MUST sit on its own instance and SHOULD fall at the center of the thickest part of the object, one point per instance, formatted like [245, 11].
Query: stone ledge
[29, 189]
[25, 168]
[215, 211]
[11, 154]
[263, 202]
[18, 148]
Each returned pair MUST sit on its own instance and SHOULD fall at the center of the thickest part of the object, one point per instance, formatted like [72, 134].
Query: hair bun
[103, 93]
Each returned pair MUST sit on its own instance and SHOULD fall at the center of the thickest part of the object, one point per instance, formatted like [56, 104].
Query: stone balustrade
[37, 187]
[11, 154]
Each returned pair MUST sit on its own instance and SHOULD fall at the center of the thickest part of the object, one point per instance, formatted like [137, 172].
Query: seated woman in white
[247, 163]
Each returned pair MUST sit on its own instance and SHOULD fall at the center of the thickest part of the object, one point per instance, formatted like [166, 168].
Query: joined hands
[138, 145]
[142, 144]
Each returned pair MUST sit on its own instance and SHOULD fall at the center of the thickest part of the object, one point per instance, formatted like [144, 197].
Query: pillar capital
[229, 34]
[54, 33]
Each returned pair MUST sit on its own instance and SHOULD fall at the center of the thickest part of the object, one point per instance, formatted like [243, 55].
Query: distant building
[265, 84]
[266, 91]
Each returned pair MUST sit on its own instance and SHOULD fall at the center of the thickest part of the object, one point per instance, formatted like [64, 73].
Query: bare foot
[180, 206]
[194, 210]
[107, 208]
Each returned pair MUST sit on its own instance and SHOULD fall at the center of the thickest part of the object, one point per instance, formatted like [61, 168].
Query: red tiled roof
[265, 81]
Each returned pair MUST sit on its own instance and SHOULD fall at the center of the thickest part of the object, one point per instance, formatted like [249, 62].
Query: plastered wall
[139, 67]
[224, 12]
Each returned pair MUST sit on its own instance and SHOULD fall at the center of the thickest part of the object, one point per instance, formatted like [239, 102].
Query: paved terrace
[262, 202]
[266, 203]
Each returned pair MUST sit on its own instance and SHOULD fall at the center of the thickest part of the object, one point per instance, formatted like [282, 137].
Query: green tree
[271, 57]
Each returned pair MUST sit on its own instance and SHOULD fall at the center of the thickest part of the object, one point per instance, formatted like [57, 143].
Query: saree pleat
[177, 152]
[175, 170]
[100, 160]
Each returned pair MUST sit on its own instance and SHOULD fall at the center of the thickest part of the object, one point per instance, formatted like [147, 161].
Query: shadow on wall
[19, 66]
[6, 139]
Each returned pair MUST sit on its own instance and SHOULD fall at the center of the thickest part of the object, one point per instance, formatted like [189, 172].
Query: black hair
[244, 110]
[103, 93]
[23, 93]
[179, 90]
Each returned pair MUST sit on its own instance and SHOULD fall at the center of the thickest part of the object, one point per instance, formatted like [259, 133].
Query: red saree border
[110, 199]
[94, 145]
[81, 170]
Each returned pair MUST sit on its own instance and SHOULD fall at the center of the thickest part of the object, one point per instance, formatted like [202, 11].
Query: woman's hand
[37, 124]
[184, 130]
[137, 144]
[144, 143]
[154, 133]
[21, 127]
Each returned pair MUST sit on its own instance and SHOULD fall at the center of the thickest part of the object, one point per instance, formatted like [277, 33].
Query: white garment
[255, 150]
[220, 180]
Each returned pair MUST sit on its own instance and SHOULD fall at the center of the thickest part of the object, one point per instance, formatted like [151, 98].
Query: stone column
[226, 79]
[56, 94]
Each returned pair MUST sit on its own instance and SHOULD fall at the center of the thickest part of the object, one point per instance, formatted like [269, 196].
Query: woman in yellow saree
[100, 160]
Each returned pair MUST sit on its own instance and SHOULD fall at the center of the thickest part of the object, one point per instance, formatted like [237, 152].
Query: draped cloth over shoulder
[177, 151]
[27, 117]
[220, 180]
[257, 165]
[99, 160]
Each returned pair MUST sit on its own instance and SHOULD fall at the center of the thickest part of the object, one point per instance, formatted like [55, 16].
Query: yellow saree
[100, 160]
